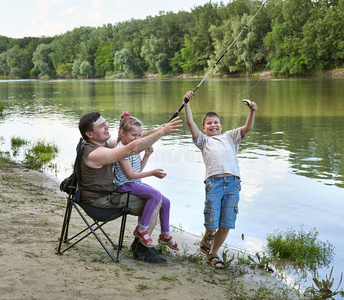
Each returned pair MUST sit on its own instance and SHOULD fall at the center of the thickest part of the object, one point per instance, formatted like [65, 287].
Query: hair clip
[125, 115]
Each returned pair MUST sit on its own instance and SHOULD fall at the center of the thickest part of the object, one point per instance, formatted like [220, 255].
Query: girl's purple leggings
[153, 198]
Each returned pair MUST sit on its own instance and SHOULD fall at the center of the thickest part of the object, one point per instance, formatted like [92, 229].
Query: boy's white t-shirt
[220, 152]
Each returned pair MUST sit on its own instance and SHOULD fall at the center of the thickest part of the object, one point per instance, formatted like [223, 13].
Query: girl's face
[212, 126]
[133, 134]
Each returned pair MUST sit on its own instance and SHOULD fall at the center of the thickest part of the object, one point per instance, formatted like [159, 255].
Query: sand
[32, 210]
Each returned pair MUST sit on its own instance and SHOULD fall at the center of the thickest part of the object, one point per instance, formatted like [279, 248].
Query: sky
[36, 18]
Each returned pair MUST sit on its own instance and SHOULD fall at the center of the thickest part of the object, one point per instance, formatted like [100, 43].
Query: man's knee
[136, 205]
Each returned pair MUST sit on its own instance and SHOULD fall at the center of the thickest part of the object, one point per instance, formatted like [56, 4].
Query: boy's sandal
[167, 241]
[215, 261]
[204, 246]
[144, 238]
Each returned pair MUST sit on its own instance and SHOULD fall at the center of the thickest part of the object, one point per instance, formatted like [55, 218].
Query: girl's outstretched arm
[125, 164]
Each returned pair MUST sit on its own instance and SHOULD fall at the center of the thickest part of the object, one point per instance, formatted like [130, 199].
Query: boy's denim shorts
[221, 204]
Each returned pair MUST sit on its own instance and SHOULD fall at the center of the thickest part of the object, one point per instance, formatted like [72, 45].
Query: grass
[17, 142]
[301, 247]
[323, 288]
[40, 154]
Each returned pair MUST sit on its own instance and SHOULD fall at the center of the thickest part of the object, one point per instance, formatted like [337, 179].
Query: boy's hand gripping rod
[213, 67]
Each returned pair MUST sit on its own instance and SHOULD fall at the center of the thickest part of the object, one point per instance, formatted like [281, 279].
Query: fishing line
[216, 64]
[266, 66]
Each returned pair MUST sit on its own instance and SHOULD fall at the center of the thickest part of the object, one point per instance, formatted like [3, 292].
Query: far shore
[334, 73]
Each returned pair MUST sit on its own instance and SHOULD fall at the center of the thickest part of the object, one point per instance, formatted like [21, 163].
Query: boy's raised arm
[188, 115]
[250, 119]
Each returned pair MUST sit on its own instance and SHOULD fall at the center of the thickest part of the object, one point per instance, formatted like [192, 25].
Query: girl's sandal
[204, 245]
[144, 238]
[167, 241]
[214, 261]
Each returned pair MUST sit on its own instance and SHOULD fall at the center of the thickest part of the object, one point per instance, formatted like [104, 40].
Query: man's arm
[188, 115]
[104, 156]
[250, 119]
[148, 132]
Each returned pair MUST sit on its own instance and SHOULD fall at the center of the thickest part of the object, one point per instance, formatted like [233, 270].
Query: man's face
[212, 126]
[100, 131]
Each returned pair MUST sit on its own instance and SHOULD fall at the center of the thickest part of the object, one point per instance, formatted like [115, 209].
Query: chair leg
[126, 210]
[94, 233]
[64, 231]
[121, 235]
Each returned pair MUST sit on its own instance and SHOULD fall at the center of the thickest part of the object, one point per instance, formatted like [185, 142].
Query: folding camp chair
[99, 216]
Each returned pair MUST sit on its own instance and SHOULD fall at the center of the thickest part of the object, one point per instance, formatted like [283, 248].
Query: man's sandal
[144, 238]
[167, 241]
[204, 246]
[215, 261]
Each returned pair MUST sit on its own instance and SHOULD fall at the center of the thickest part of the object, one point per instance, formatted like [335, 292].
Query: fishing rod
[217, 62]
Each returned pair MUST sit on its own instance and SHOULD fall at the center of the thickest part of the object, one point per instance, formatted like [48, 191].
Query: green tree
[3, 43]
[4, 67]
[19, 63]
[286, 38]
[76, 68]
[64, 70]
[323, 37]
[42, 61]
[154, 52]
[127, 63]
[199, 45]
[86, 69]
[104, 57]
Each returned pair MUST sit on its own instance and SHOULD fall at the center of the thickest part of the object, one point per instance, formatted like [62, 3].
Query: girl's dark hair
[210, 114]
[126, 123]
[86, 123]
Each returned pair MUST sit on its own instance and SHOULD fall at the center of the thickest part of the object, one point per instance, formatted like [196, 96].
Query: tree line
[290, 37]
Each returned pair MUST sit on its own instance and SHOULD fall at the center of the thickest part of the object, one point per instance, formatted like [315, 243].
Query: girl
[127, 175]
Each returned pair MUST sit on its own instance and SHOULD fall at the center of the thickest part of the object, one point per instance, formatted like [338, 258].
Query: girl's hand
[159, 173]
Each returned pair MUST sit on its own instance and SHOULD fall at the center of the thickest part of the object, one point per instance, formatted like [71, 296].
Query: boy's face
[212, 126]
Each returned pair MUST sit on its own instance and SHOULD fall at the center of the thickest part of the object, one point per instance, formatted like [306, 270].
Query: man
[99, 153]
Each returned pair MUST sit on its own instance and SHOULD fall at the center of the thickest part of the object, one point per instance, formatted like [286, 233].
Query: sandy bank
[32, 211]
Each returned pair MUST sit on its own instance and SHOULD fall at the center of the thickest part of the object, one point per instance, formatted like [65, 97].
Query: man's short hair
[86, 123]
[210, 114]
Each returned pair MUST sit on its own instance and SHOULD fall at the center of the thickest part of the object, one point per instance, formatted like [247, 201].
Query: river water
[292, 163]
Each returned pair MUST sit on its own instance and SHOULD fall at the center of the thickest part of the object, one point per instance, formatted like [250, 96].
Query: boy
[222, 179]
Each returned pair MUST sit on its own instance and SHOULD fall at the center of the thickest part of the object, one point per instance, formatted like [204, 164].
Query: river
[292, 163]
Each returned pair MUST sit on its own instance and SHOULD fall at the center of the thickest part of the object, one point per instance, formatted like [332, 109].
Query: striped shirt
[119, 175]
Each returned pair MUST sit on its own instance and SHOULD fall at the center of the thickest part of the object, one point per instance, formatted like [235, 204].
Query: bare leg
[219, 238]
